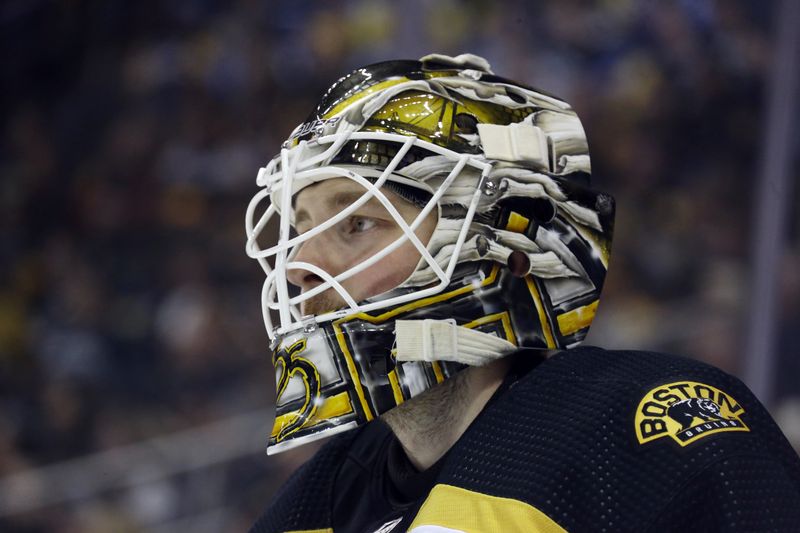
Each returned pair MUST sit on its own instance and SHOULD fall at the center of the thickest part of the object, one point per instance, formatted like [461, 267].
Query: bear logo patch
[686, 411]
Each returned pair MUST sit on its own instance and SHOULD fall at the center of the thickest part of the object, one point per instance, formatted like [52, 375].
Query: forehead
[326, 191]
[324, 199]
[333, 195]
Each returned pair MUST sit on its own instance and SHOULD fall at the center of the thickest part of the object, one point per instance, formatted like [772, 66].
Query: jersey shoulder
[633, 366]
[595, 438]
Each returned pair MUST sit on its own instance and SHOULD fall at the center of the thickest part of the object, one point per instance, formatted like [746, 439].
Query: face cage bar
[294, 168]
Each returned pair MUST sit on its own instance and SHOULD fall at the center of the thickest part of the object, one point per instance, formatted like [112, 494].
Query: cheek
[386, 274]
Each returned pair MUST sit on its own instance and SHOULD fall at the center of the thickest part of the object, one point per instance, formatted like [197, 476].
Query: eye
[360, 224]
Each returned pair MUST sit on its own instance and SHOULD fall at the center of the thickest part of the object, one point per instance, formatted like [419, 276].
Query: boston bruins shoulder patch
[686, 411]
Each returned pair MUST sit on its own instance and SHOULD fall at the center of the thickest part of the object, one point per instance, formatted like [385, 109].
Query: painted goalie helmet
[517, 257]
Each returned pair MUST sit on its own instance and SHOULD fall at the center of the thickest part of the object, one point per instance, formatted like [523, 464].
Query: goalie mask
[517, 255]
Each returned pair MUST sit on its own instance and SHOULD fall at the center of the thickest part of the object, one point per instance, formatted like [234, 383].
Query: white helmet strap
[443, 340]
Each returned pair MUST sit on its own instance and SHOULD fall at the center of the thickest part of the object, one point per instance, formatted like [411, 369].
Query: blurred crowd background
[135, 376]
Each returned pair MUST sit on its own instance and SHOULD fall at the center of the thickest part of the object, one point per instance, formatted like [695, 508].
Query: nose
[309, 252]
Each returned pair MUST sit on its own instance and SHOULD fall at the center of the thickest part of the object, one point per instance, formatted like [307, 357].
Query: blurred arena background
[135, 378]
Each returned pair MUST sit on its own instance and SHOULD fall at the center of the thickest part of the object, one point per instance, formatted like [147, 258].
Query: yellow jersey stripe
[472, 512]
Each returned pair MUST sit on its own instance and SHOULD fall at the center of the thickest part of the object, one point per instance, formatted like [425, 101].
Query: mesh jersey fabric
[388, 486]
[562, 440]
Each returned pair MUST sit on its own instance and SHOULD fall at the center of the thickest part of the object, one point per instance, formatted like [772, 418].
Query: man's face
[356, 238]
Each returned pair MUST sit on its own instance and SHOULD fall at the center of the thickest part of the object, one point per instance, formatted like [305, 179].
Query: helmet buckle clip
[489, 188]
[309, 323]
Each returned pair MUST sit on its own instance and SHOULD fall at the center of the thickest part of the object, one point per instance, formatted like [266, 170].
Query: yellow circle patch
[686, 411]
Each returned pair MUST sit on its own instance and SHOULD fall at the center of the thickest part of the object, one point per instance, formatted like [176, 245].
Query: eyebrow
[340, 199]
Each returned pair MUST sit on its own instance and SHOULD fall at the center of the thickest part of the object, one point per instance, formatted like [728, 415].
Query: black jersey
[589, 440]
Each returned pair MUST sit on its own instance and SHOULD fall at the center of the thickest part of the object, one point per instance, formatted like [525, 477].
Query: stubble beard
[427, 418]
[322, 303]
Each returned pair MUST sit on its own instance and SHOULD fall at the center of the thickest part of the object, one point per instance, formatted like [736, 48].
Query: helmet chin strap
[443, 340]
